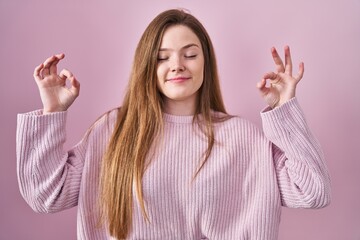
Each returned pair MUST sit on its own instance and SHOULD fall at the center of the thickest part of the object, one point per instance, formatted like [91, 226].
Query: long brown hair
[140, 122]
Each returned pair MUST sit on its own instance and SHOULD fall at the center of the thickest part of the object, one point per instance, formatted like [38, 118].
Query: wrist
[49, 110]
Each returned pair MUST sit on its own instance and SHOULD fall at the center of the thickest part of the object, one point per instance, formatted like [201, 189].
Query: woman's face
[180, 66]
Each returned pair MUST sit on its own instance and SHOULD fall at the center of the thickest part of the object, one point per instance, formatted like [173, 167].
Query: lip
[178, 79]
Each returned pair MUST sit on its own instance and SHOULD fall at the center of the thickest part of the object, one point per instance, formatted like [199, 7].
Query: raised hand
[54, 93]
[282, 83]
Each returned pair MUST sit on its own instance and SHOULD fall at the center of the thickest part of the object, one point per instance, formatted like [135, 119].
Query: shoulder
[241, 133]
[240, 129]
[106, 118]
[234, 122]
[103, 125]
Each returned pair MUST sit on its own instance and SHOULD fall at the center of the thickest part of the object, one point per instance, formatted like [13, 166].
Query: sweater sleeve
[49, 177]
[302, 174]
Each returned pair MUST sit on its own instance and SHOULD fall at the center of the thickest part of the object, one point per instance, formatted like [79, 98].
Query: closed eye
[191, 56]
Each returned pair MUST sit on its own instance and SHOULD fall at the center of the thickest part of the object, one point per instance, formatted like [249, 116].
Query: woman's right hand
[54, 93]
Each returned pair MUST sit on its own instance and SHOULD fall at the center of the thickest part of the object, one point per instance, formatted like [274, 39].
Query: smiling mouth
[177, 79]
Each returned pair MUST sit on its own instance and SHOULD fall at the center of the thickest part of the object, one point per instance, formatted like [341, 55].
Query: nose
[177, 65]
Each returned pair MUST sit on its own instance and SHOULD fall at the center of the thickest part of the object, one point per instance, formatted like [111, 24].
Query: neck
[180, 107]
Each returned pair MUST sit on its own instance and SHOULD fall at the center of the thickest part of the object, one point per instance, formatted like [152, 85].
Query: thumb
[262, 87]
[75, 86]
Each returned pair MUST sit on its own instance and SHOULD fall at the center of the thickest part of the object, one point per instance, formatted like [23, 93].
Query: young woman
[171, 163]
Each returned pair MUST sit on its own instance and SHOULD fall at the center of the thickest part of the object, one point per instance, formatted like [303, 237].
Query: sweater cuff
[286, 118]
[35, 119]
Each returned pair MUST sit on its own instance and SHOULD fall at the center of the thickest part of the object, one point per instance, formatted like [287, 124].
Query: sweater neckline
[188, 119]
[178, 118]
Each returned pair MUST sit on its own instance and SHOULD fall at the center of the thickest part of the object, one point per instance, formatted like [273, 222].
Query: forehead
[177, 36]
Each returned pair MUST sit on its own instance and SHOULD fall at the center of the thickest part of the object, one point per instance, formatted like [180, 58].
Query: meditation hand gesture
[54, 93]
[282, 84]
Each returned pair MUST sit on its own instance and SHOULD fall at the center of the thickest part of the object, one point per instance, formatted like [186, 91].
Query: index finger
[37, 71]
[278, 62]
[46, 69]
[53, 66]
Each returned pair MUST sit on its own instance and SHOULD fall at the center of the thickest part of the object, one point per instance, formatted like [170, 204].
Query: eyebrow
[184, 47]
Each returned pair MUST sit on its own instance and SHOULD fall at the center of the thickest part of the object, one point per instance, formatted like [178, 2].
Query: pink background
[99, 39]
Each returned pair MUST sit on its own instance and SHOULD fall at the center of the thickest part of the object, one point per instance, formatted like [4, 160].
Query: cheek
[198, 68]
[161, 73]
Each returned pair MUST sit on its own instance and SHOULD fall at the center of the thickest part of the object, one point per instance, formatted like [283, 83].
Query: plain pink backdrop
[99, 39]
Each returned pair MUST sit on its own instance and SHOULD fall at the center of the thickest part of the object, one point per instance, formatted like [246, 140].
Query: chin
[178, 97]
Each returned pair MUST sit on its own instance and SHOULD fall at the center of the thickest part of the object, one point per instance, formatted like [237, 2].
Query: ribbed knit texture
[238, 194]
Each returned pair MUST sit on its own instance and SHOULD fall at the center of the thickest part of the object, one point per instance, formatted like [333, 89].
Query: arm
[49, 177]
[299, 163]
[301, 172]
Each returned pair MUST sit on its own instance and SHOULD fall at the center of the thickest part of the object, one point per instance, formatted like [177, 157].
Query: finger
[288, 62]
[53, 66]
[261, 84]
[64, 74]
[278, 62]
[262, 87]
[75, 86]
[271, 76]
[46, 70]
[37, 71]
[300, 74]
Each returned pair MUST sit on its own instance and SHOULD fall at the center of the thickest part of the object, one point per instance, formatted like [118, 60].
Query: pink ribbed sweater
[237, 195]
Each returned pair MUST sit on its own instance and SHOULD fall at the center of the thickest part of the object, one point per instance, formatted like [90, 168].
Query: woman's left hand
[282, 84]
